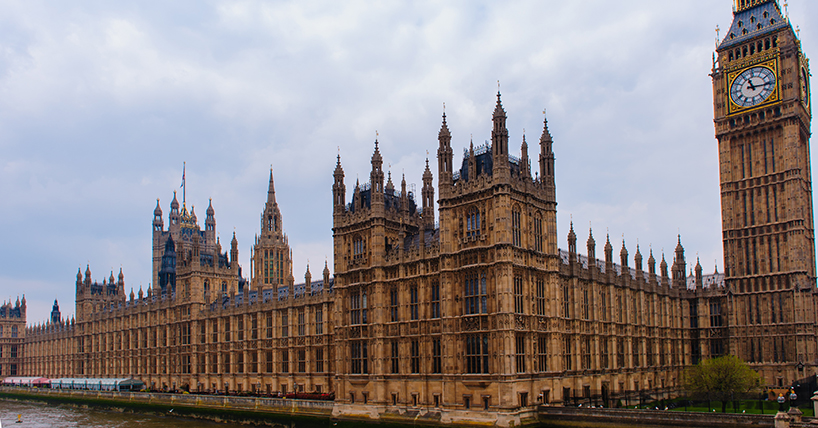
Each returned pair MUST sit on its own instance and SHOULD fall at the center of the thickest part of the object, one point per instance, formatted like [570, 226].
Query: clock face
[752, 86]
[804, 86]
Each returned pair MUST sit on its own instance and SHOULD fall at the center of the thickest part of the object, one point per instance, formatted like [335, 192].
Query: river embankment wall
[558, 416]
[272, 411]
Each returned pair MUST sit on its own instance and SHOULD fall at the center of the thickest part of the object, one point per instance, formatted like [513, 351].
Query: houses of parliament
[463, 301]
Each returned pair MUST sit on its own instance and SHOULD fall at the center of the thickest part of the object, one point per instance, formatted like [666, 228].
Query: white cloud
[101, 104]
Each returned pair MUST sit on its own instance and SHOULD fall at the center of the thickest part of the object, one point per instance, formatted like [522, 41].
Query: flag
[183, 175]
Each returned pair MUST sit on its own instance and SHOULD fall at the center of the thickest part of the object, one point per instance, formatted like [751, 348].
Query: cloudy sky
[101, 102]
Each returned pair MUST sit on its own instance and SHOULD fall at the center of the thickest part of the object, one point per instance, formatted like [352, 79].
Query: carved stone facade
[12, 337]
[479, 316]
[204, 328]
[762, 120]
[484, 311]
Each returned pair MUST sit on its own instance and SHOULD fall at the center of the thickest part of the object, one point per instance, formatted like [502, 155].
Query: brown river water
[42, 415]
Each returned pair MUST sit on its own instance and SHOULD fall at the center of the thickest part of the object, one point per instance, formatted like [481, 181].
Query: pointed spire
[623, 255]
[271, 189]
[174, 204]
[427, 173]
[157, 212]
[545, 138]
[525, 169]
[210, 211]
[499, 111]
[389, 186]
[444, 128]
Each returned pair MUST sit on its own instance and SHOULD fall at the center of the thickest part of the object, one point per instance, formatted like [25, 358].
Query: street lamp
[781, 400]
[793, 397]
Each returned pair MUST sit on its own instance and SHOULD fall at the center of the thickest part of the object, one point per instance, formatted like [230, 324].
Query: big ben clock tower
[762, 110]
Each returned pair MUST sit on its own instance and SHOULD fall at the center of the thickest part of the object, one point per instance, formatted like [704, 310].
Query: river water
[42, 415]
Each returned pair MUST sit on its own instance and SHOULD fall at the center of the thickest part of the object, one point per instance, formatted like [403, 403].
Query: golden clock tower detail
[762, 118]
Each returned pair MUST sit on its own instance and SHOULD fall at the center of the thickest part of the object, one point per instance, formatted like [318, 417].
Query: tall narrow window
[413, 302]
[515, 227]
[477, 353]
[566, 302]
[358, 247]
[542, 353]
[319, 320]
[269, 325]
[415, 361]
[586, 353]
[519, 345]
[302, 324]
[435, 303]
[393, 304]
[357, 307]
[285, 323]
[285, 361]
[437, 366]
[518, 295]
[302, 360]
[585, 305]
[475, 294]
[395, 357]
[473, 223]
[537, 233]
[603, 341]
[359, 357]
[540, 297]
[566, 353]
[319, 360]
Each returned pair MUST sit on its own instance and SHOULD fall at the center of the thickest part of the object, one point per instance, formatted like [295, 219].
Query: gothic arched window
[538, 233]
[515, 226]
[473, 223]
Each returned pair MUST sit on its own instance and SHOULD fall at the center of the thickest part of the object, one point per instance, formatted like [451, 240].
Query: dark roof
[753, 22]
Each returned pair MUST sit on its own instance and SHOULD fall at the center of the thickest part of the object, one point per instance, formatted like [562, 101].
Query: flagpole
[184, 188]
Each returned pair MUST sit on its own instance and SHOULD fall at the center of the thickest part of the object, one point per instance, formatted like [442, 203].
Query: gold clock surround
[733, 108]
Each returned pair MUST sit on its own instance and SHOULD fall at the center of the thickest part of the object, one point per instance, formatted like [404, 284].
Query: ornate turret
[546, 155]
[308, 277]
[55, 313]
[572, 241]
[698, 269]
[444, 157]
[651, 263]
[79, 281]
[525, 168]
[210, 222]
[158, 222]
[591, 246]
[499, 141]
[376, 179]
[339, 190]
[428, 198]
[234, 252]
[663, 267]
[608, 254]
[679, 265]
[638, 259]
[623, 257]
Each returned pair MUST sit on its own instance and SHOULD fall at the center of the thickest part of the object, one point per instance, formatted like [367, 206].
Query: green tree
[722, 379]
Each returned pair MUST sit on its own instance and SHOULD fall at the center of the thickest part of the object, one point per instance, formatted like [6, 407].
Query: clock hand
[751, 86]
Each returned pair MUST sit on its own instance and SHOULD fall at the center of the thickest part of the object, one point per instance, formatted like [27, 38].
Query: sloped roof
[753, 22]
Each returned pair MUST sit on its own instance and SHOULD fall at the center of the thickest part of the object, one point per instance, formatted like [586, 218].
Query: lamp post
[793, 397]
[781, 400]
